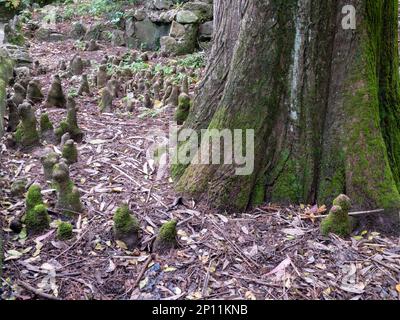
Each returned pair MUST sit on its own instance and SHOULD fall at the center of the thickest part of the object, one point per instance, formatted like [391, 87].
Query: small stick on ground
[357, 213]
[36, 291]
[144, 268]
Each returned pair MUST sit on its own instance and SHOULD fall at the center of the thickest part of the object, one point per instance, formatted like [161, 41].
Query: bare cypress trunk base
[323, 101]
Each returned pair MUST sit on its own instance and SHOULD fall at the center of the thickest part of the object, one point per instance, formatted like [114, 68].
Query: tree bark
[227, 24]
[323, 101]
[209, 91]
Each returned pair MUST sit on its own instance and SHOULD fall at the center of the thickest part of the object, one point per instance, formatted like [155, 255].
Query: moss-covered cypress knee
[33, 197]
[36, 216]
[126, 227]
[84, 87]
[26, 134]
[56, 97]
[48, 163]
[45, 123]
[34, 92]
[13, 116]
[64, 231]
[76, 66]
[18, 187]
[102, 77]
[338, 220]
[70, 125]
[19, 94]
[47, 129]
[344, 202]
[70, 152]
[106, 101]
[68, 198]
[166, 238]
[183, 108]
[37, 219]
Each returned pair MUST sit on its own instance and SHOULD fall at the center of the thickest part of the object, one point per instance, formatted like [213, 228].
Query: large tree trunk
[323, 101]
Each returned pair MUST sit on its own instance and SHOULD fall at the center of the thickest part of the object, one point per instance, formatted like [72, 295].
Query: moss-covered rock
[37, 219]
[26, 134]
[183, 109]
[68, 197]
[338, 220]
[13, 33]
[64, 231]
[166, 238]
[70, 152]
[126, 227]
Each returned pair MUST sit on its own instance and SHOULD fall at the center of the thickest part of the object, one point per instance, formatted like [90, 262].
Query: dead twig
[144, 268]
[356, 213]
[36, 291]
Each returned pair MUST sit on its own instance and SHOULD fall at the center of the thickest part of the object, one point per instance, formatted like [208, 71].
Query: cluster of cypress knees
[145, 86]
[23, 133]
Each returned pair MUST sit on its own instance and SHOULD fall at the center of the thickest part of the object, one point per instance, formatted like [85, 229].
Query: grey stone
[203, 10]
[118, 38]
[161, 4]
[206, 30]
[55, 37]
[177, 30]
[130, 27]
[168, 16]
[146, 34]
[19, 55]
[168, 44]
[183, 45]
[140, 14]
[187, 17]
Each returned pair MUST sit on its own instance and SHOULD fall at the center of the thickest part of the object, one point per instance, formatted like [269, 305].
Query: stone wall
[175, 27]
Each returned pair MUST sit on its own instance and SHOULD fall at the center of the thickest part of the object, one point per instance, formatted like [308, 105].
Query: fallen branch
[36, 291]
[356, 213]
[144, 268]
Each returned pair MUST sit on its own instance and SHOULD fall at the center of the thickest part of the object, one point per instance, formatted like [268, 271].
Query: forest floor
[269, 253]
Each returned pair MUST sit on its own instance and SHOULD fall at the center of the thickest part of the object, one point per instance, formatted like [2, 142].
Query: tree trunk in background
[323, 101]
[209, 91]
